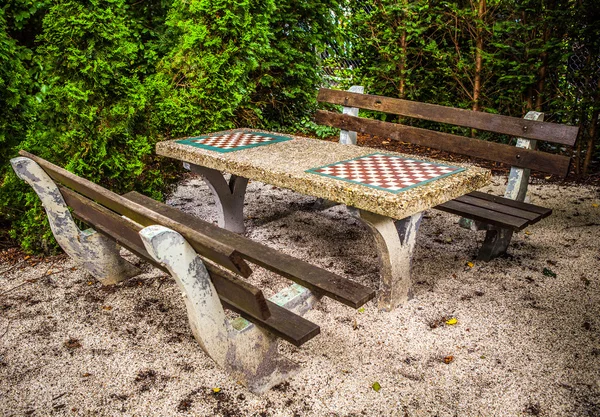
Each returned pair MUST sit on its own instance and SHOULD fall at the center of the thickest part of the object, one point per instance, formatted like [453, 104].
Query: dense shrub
[91, 110]
[110, 78]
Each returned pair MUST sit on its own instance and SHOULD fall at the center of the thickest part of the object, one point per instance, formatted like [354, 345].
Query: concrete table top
[283, 164]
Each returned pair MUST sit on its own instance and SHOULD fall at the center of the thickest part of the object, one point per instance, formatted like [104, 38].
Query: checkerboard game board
[386, 172]
[234, 141]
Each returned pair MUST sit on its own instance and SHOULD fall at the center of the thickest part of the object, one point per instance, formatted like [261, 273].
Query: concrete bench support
[245, 351]
[95, 252]
[229, 197]
[395, 241]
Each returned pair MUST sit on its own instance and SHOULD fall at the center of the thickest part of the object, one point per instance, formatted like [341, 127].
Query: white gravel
[525, 343]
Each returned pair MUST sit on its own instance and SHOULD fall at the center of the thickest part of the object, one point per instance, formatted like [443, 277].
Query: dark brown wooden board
[312, 277]
[542, 211]
[491, 151]
[530, 216]
[206, 245]
[285, 324]
[235, 294]
[245, 296]
[513, 126]
[483, 215]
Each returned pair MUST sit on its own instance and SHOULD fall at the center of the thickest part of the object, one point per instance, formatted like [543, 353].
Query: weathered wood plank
[244, 296]
[205, 245]
[530, 216]
[483, 215]
[513, 126]
[542, 211]
[524, 158]
[310, 276]
[235, 294]
[284, 324]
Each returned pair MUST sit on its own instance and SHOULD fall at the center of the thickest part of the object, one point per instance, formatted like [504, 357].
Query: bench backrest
[513, 126]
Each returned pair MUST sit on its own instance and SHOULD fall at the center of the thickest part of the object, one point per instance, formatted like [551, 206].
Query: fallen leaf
[107, 308]
[549, 273]
[216, 390]
[595, 205]
[527, 232]
[449, 240]
[451, 321]
[72, 343]
[86, 375]
[448, 359]
[470, 264]
[90, 283]
[361, 310]
[548, 177]
[385, 142]
[376, 387]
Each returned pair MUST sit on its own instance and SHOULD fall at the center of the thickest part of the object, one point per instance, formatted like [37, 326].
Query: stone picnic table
[388, 191]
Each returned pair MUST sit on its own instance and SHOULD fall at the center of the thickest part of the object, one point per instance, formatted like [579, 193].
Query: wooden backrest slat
[205, 245]
[523, 158]
[246, 297]
[513, 126]
[310, 276]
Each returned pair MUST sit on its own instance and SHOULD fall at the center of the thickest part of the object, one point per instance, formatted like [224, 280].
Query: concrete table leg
[395, 241]
[229, 197]
[98, 254]
[248, 353]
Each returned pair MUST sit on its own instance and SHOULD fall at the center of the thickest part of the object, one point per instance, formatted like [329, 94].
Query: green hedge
[106, 79]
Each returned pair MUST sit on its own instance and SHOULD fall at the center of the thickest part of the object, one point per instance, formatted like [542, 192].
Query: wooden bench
[207, 262]
[499, 216]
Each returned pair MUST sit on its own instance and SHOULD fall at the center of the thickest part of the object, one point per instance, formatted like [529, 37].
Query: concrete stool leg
[229, 197]
[495, 244]
[98, 254]
[248, 353]
[395, 241]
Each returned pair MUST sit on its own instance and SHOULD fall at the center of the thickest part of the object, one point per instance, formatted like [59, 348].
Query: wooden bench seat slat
[245, 296]
[483, 215]
[542, 211]
[513, 126]
[312, 277]
[284, 324]
[205, 245]
[530, 216]
[241, 297]
[511, 155]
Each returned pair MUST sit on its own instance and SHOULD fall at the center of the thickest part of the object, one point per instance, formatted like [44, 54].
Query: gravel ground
[526, 341]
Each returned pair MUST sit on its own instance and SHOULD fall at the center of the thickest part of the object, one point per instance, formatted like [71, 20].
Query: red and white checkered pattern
[392, 173]
[233, 140]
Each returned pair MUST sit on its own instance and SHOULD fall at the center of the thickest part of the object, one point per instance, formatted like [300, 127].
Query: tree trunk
[580, 138]
[404, 49]
[542, 73]
[592, 133]
[402, 86]
[478, 56]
